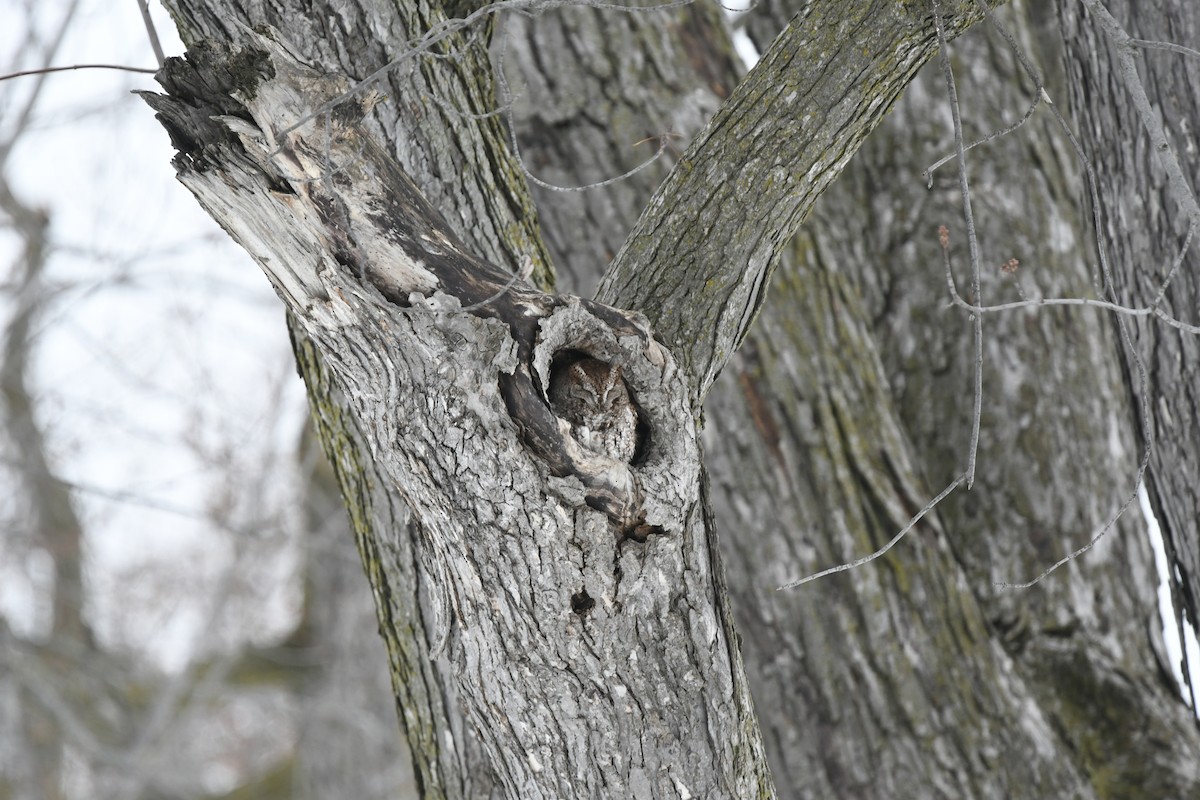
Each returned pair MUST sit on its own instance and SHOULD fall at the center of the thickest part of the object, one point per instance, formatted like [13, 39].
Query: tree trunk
[541, 567]
[1056, 461]
[550, 559]
[1147, 204]
[770, 486]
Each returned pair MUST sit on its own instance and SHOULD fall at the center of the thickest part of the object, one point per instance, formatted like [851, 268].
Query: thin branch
[1096, 537]
[997, 134]
[1141, 311]
[1174, 48]
[155, 45]
[858, 562]
[1187, 243]
[26, 112]
[1106, 285]
[48, 70]
[972, 240]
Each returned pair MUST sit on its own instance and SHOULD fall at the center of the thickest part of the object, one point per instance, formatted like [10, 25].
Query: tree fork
[444, 360]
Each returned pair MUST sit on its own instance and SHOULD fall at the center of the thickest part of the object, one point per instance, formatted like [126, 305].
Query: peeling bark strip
[445, 360]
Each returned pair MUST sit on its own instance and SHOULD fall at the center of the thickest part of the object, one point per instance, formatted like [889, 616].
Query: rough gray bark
[876, 488]
[405, 606]
[1056, 458]
[1144, 223]
[444, 135]
[544, 570]
[637, 507]
[723, 217]
[774, 435]
[936, 701]
[594, 93]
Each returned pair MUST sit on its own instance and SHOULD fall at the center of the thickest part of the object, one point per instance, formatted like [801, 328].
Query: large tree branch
[700, 258]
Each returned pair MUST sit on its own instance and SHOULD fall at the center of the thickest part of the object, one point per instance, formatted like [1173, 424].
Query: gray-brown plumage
[592, 396]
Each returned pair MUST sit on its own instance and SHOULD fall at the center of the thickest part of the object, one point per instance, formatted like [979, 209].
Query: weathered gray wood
[1144, 226]
[865, 273]
[378, 282]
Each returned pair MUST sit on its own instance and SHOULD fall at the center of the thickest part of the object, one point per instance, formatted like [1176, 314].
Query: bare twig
[1106, 305]
[155, 45]
[858, 562]
[972, 240]
[1171, 46]
[1037, 100]
[47, 70]
[23, 116]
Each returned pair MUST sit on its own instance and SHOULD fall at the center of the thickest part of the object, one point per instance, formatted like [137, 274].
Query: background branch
[699, 261]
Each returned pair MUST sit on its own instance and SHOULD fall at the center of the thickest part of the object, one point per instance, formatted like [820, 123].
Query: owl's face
[592, 396]
[602, 387]
[598, 389]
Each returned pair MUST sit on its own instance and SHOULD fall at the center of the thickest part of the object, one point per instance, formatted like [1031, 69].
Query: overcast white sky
[163, 372]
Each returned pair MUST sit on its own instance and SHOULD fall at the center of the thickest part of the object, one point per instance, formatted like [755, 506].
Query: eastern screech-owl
[592, 396]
